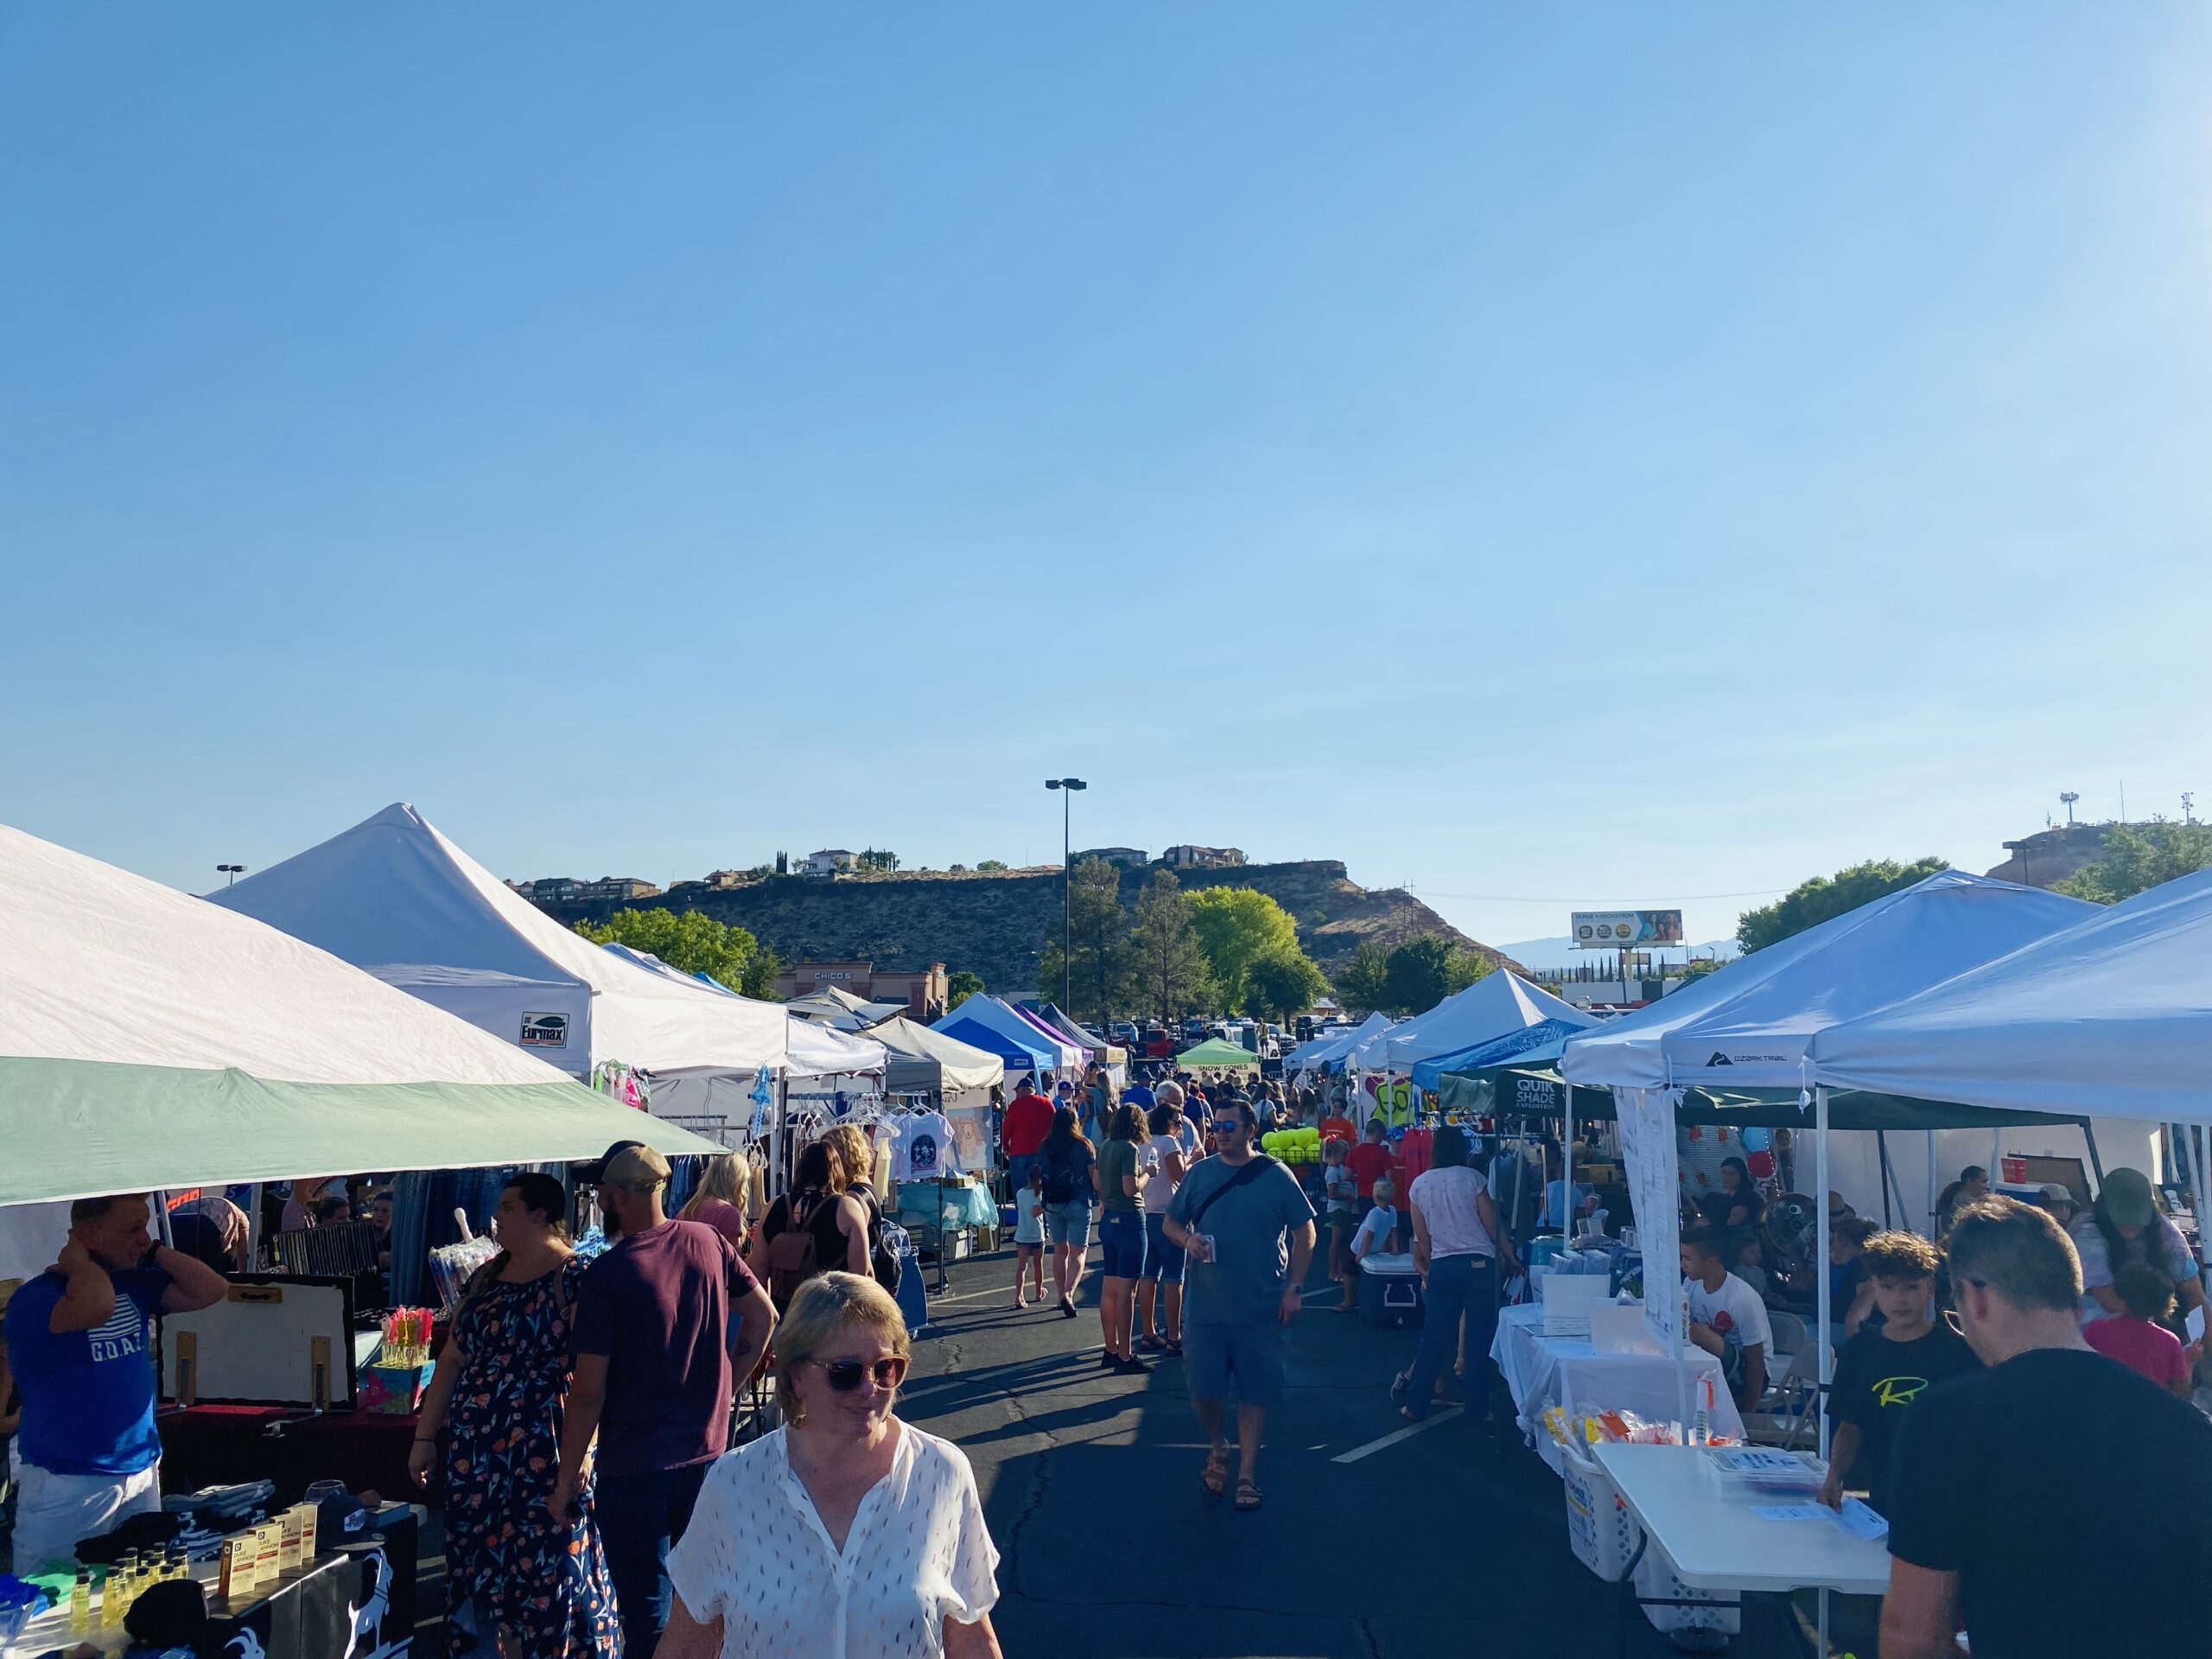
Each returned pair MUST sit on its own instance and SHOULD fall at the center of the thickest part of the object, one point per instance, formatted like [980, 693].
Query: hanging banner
[1655, 1186]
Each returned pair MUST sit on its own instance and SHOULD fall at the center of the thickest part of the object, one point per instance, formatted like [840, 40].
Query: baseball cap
[2054, 1193]
[640, 1169]
[2126, 1197]
[595, 1171]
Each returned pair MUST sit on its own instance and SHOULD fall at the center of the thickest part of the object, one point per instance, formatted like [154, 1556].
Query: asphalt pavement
[1449, 1541]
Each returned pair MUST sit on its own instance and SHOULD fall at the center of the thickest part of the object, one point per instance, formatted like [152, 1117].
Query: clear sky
[1550, 456]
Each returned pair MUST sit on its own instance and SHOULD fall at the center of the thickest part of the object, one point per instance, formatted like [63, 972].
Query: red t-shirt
[1028, 1119]
[1339, 1129]
[657, 1305]
[2141, 1346]
[1370, 1160]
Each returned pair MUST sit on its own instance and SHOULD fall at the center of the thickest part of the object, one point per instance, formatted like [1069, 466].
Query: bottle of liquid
[81, 1602]
[180, 1563]
[111, 1598]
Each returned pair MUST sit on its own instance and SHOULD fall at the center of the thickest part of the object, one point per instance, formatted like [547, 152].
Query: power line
[1591, 904]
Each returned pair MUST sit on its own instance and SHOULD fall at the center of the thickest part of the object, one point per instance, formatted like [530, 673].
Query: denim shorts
[1251, 1351]
[1163, 1256]
[1121, 1235]
[1068, 1223]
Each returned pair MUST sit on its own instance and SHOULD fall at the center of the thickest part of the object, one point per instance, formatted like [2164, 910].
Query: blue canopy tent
[1530, 1046]
[1017, 1057]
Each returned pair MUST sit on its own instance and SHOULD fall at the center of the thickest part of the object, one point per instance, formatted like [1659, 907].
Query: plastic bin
[1759, 1474]
[1681, 1607]
[1600, 1529]
[1389, 1290]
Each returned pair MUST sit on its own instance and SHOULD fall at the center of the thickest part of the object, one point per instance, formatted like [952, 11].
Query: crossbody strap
[1261, 1162]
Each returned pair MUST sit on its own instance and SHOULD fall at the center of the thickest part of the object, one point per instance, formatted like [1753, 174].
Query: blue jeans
[640, 1518]
[1457, 1285]
[1018, 1165]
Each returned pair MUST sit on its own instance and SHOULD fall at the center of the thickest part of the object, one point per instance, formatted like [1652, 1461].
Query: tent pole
[1820, 1152]
[1931, 1184]
[2096, 1163]
[1882, 1152]
[253, 1230]
[1566, 1166]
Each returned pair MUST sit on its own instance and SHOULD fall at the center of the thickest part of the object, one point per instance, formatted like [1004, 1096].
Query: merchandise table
[1568, 1372]
[1714, 1542]
[964, 1206]
[308, 1613]
[212, 1445]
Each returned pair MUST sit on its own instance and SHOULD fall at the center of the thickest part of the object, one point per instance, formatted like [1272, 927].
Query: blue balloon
[1757, 1140]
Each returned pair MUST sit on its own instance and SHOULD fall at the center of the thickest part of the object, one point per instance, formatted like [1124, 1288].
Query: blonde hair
[726, 1178]
[854, 1164]
[1333, 1151]
[824, 1309]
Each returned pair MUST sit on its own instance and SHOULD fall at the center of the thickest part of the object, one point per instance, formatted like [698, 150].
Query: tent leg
[253, 1230]
[1566, 1167]
[2096, 1163]
[1821, 1264]
[1882, 1153]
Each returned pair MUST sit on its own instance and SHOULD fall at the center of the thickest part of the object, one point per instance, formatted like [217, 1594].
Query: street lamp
[234, 871]
[1067, 874]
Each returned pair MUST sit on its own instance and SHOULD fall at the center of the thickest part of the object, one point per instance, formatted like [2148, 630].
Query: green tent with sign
[1216, 1053]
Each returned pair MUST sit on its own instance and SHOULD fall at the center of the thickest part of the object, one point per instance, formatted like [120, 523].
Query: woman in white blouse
[1457, 1245]
[847, 1533]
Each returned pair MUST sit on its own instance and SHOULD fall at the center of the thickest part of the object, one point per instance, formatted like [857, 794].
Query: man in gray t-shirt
[1249, 1232]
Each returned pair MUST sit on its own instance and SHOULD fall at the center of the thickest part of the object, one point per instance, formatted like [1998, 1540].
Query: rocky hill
[995, 923]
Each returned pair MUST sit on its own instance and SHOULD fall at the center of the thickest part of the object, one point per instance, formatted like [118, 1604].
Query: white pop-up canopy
[1323, 1052]
[2111, 1017]
[395, 896]
[1498, 1003]
[922, 1059]
[1747, 1026]
[812, 1050]
[148, 1039]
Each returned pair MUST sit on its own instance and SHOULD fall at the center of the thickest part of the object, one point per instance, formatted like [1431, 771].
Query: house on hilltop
[1203, 858]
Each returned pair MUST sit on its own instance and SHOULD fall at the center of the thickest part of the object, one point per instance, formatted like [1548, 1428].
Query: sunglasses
[1227, 1125]
[844, 1374]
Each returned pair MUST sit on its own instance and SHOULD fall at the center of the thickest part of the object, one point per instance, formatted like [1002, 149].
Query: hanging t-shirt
[88, 1396]
[923, 1150]
[1877, 1381]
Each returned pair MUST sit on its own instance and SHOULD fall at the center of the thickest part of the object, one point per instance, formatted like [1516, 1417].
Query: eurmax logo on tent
[545, 1030]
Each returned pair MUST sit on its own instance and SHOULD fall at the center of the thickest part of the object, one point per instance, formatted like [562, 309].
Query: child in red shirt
[2134, 1338]
[1369, 1160]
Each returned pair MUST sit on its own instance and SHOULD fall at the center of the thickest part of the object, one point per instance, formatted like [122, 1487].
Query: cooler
[1389, 1290]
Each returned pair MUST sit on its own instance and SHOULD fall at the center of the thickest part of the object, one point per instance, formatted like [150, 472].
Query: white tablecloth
[1566, 1372]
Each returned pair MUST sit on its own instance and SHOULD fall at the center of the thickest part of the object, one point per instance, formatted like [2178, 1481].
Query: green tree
[2135, 861]
[1417, 975]
[877, 858]
[689, 941]
[959, 985]
[1098, 943]
[1824, 898]
[761, 975]
[990, 864]
[1237, 926]
[1169, 962]
[1282, 985]
[1361, 985]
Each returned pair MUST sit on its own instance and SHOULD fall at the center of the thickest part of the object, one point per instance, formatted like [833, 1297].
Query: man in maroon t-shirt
[1028, 1119]
[657, 1357]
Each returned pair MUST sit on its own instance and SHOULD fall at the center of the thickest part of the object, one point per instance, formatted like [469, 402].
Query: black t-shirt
[2071, 1496]
[1876, 1380]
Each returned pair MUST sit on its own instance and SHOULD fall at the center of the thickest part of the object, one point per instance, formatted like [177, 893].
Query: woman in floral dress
[536, 1582]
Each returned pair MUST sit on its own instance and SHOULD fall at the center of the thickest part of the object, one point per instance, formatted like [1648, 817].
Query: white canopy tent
[1323, 1052]
[840, 1008]
[1496, 1003]
[150, 1040]
[925, 1060]
[393, 896]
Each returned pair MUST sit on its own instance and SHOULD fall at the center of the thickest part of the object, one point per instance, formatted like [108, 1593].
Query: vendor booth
[1328, 1054]
[1217, 1054]
[955, 1077]
[1045, 1054]
[150, 1042]
[1496, 1005]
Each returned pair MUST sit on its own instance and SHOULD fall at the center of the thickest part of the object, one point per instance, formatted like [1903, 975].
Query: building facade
[1203, 858]
[922, 989]
[1126, 858]
[566, 890]
[831, 861]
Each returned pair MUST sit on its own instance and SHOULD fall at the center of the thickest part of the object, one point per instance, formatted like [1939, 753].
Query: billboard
[1618, 930]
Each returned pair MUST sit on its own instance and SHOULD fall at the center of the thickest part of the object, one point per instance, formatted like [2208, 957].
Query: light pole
[234, 871]
[1068, 785]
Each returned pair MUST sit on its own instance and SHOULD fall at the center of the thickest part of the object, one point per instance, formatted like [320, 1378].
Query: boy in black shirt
[1884, 1371]
[2018, 1494]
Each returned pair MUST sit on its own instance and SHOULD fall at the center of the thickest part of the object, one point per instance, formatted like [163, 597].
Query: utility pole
[1067, 786]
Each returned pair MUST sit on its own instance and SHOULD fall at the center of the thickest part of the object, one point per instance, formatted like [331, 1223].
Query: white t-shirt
[1375, 1231]
[757, 1556]
[923, 1150]
[1447, 1197]
[1159, 1189]
[1735, 1311]
[1029, 1217]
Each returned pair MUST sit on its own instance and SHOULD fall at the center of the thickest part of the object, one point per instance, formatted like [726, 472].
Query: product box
[395, 1390]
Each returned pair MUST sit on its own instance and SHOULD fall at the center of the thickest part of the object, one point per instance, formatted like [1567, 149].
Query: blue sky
[1551, 457]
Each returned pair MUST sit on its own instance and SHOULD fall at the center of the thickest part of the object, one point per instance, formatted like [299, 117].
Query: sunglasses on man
[844, 1374]
[1227, 1125]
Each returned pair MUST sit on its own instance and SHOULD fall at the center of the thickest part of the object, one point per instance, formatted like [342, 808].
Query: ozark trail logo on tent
[545, 1030]
[1719, 1059]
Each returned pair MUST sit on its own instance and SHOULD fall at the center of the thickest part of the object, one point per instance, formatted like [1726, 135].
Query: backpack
[791, 1253]
[1063, 1179]
[883, 1257]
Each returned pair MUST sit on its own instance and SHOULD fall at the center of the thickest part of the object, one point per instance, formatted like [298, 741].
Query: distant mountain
[1550, 955]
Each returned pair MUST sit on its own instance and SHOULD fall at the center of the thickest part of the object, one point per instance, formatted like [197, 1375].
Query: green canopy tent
[1216, 1053]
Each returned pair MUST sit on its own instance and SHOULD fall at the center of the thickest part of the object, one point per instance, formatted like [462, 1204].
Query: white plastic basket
[1600, 1529]
[1718, 1611]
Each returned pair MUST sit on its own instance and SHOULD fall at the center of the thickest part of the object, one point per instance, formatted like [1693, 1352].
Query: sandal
[1214, 1480]
[1151, 1344]
[1247, 1497]
[1400, 1386]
